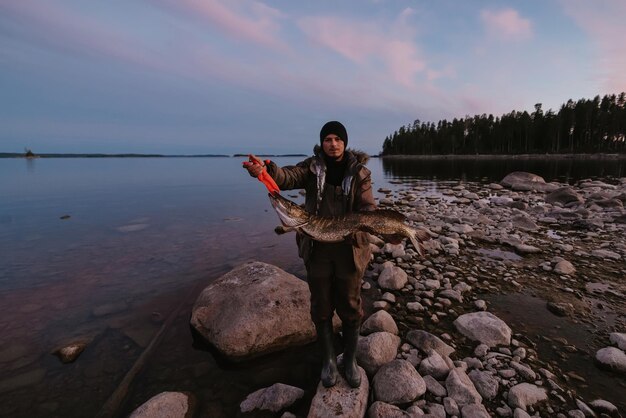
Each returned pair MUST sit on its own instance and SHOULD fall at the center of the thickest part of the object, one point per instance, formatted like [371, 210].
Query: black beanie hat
[334, 127]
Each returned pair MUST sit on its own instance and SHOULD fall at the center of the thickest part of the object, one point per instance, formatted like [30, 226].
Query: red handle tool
[264, 177]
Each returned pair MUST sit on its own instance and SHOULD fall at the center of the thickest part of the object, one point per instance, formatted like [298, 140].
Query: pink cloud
[368, 44]
[249, 21]
[506, 24]
[604, 22]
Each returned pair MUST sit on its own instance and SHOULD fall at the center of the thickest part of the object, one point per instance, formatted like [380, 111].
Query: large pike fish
[382, 222]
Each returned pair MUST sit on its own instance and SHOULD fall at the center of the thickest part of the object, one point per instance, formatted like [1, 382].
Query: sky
[246, 76]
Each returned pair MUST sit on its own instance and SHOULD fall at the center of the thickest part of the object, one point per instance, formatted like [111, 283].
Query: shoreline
[598, 156]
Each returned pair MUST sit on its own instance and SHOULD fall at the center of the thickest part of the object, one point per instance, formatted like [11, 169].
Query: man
[336, 182]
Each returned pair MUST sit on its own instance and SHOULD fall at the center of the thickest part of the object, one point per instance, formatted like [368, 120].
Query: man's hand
[254, 165]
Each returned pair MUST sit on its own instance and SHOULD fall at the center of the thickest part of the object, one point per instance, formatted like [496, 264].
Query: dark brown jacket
[324, 199]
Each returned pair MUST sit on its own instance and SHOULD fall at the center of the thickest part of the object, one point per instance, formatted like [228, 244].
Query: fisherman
[336, 182]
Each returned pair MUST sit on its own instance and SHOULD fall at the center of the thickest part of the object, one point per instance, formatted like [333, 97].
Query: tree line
[585, 126]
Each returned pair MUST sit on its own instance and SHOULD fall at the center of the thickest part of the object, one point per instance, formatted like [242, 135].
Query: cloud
[506, 24]
[604, 22]
[368, 44]
[249, 21]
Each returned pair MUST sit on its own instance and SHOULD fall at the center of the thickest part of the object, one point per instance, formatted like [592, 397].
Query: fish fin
[280, 229]
[417, 245]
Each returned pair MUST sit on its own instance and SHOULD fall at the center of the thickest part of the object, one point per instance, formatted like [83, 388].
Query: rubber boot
[351, 369]
[329, 373]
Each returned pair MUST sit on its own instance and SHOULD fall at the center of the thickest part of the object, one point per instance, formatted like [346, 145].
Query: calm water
[143, 235]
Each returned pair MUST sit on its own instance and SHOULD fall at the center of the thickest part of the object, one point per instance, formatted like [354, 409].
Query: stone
[521, 177]
[481, 350]
[397, 382]
[520, 413]
[612, 358]
[379, 321]
[484, 327]
[563, 196]
[392, 277]
[425, 341]
[341, 399]
[70, 352]
[461, 389]
[560, 309]
[376, 349]
[606, 254]
[242, 314]
[434, 365]
[434, 387]
[435, 410]
[524, 223]
[618, 338]
[485, 383]
[523, 370]
[167, 405]
[380, 410]
[585, 408]
[524, 395]
[564, 267]
[474, 411]
[274, 398]
[451, 294]
[415, 307]
[606, 407]
[451, 407]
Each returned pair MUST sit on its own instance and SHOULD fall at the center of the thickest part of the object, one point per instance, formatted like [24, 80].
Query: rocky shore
[432, 346]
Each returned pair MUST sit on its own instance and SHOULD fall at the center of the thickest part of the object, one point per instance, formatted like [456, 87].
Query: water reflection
[484, 169]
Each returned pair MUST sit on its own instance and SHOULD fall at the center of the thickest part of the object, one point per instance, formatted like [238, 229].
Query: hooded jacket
[354, 194]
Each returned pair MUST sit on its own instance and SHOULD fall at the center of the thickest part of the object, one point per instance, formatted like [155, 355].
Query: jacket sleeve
[289, 177]
[364, 197]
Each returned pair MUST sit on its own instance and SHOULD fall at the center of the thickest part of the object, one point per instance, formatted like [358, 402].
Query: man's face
[333, 146]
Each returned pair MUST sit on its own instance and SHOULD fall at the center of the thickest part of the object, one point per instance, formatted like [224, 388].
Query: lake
[106, 249]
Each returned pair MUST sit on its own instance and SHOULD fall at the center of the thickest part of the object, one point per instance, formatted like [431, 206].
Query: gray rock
[524, 223]
[434, 387]
[425, 341]
[618, 338]
[377, 349]
[379, 321]
[585, 408]
[518, 177]
[606, 254]
[461, 389]
[397, 382]
[560, 309]
[524, 395]
[434, 365]
[380, 410]
[340, 400]
[392, 277]
[485, 383]
[242, 314]
[274, 398]
[520, 413]
[435, 410]
[167, 404]
[415, 307]
[564, 267]
[575, 413]
[450, 406]
[612, 358]
[564, 195]
[523, 370]
[481, 350]
[484, 327]
[451, 294]
[606, 407]
[70, 352]
[474, 411]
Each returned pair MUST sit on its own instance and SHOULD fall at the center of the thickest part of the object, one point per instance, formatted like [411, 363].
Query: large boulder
[524, 395]
[341, 399]
[611, 358]
[167, 404]
[392, 277]
[376, 349]
[274, 398]
[398, 382]
[484, 327]
[522, 181]
[461, 389]
[564, 196]
[379, 321]
[252, 310]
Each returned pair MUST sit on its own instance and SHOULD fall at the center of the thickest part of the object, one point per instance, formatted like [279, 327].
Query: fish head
[289, 213]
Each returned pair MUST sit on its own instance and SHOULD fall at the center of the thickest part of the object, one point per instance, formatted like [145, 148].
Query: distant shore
[21, 155]
[598, 156]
